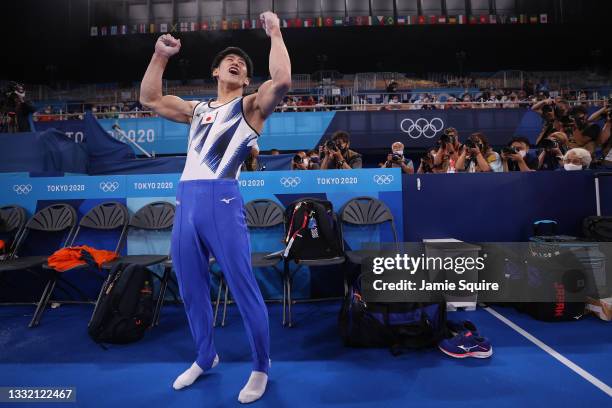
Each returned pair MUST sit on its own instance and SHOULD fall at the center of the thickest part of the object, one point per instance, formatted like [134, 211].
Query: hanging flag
[523, 19]
[421, 20]
[308, 22]
[93, 31]
[113, 30]
[452, 20]
[410, 20]
[204, 26]
[433, 19]
[246, 24]
[173, 27]
[401, 21]
[359, 20]
[319, 22]
[298, 23]
[461, 19]
[389, 21]
[224, 25]
[533, 19]
[473, 20]
[152, 28]
[503, 19]
[214, 25]
[183, 26]
[328, 22]
[142, 28]
[442, 20]
[338, 21]
[492, 19]
[514, 20]
[123, 30]
[163, 27]
[235, 25]
[483, 19]
[543, 18]
[104, 31]
[193, 26]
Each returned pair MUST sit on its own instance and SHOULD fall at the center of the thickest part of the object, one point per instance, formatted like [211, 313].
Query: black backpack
[397, 326]
[124, 310]
[597, 228]
[311, 230]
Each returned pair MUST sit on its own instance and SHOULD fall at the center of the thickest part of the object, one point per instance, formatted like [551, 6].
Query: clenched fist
[167, 46]
[270, 23]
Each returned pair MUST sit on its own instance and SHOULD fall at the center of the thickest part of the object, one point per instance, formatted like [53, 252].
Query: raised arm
[169, 106]
[271, 92]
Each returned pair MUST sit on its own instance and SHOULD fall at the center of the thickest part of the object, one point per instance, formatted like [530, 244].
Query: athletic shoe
[466, 344]
[459, 327]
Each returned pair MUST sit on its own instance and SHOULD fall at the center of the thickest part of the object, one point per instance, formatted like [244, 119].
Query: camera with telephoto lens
[509, 150]
[298, 159]
[549, 144]
[331, 145]
[548, 108]
[396, 157]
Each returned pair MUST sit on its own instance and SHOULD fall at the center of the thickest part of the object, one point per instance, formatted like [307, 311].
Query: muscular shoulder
[251, 113]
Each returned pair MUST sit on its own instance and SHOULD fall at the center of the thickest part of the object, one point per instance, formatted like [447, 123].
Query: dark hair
[483, 139]
[592, 131]
[579, 110]
[341, 135]
[520, 139]
[236, 51]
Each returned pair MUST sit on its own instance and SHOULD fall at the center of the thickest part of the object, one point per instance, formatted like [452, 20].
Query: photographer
[337, 155]
[397, 159]
[477, 156]
[604, 137]
[304, 161]
[555, 115]
[446, 155]
[427, 162]
[516, 157]
[15, 110]
[553, 149]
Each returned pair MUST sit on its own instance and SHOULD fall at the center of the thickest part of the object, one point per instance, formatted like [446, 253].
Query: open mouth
[234, 71]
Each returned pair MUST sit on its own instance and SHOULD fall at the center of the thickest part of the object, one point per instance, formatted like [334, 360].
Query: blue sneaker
[466, 344]
[459, 327]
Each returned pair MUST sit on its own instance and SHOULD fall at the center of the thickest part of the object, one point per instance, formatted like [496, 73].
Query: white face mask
[306, 162]
[571, 167]
[523, 153]
[398, 152]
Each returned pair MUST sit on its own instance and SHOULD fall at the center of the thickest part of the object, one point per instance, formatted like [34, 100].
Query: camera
[447, 138]
[548, 109]
[298, 159]
[548, 144]
[470, 144]
[509, 150]
[331, 145]
[396, 157]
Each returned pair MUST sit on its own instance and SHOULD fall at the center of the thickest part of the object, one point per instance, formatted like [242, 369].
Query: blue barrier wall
[471, 207]
[284, 187]
[304, 130]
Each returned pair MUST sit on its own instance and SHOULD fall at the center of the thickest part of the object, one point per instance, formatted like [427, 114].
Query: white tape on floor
[563, 360]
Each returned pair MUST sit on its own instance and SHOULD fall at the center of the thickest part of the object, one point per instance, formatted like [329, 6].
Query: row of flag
[317, 22]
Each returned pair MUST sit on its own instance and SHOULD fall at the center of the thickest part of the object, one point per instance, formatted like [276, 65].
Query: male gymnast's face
[232, 70]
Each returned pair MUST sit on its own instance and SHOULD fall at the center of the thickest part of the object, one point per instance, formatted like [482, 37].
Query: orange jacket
[68, 258]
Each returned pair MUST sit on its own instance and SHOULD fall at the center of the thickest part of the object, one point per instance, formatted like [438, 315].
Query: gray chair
[104, 217]
[259, 214]
[288, 275]
[12, 222]
[365, 211]
[52, 219]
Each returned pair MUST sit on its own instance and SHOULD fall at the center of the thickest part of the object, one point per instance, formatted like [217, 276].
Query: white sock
[191, 374]
[254, 388]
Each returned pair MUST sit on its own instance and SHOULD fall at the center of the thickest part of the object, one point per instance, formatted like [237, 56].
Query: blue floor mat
[310, 367]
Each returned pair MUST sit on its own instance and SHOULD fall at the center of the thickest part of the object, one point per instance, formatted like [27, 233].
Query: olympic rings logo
[22, 189]
[383, 179]
[290, 181]
[422, 127]
[109, 186]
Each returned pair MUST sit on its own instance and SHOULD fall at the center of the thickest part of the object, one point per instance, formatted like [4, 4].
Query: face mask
[572, 167]
[523, 153]
[398, 152]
